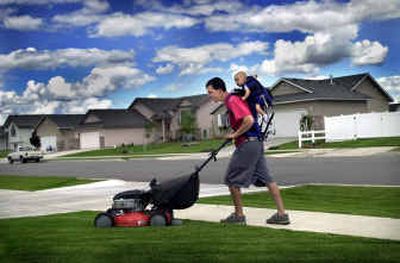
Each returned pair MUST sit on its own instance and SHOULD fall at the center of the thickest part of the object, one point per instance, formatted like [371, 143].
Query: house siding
[284, 88]
[319, 109]
[205, 119]
[218, 132]
[116, 137]
[143, 110]
[325, 108]
[379, 102]
[66, 140]
[21, 137]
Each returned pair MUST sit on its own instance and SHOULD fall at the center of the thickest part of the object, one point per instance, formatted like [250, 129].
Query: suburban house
[19, 128]
[57, 132]
[359, 93]
[167, 115]
[113, 127]
[295, 98]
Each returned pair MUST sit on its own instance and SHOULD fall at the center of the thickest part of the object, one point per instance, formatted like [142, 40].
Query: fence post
[313, 136]
[299, 135]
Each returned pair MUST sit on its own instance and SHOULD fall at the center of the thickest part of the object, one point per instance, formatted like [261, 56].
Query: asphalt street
[382, 169]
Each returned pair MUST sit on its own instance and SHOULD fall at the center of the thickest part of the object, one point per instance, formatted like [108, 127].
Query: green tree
[35, 140]
[148, 127]
[188, 123]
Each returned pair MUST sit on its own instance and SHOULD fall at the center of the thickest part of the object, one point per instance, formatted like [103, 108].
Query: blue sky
[67, 56]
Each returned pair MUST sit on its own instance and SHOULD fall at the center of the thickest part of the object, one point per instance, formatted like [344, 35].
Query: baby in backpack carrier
[253, 92]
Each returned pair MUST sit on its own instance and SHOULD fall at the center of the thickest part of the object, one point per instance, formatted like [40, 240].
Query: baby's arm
[246, 93]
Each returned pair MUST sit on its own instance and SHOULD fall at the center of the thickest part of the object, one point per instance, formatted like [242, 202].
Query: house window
[222, 121]
[205, 134]
[184, 114]
[13, 131]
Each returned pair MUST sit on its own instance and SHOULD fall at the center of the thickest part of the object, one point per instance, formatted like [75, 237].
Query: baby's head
[240, 78]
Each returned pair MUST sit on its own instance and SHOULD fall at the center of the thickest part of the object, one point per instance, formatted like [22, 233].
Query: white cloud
[91, 12]
[140, 24]
[31, 58]
[103, 80]
[168, 68]
[331, 28]
[99, 83]
[37, 2]
[193, 8]
[392, 85]
[306, 56]
[367, 52]
[152, 96]
[60, 96]
[305, 16]
[194, 60]
[81, 106]
[23, 23]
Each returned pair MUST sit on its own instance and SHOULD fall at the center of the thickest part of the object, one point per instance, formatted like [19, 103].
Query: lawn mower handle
[213, 155]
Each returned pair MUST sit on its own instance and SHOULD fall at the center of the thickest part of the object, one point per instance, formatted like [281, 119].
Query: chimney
[331, 79]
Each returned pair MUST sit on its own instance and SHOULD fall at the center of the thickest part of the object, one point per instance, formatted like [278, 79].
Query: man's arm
[244, 127]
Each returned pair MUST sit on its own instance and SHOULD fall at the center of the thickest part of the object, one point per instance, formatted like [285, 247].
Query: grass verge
[4, 153]
[371, 201]
[373, 142]
[30, 183]
[72, 238]
[162, 148]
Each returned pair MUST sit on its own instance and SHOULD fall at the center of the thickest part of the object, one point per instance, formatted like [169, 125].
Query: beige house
[57, 132]
[113, 127]
[327, 97]
[295, 98]
[166, 115]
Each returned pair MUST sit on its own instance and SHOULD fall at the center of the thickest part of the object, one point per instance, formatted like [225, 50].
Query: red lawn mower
[137, 208]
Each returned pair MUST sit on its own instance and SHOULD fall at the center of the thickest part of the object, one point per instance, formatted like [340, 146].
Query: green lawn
[72, 238]
[162, 148]
[31, 183]
[372, 201]
[4, 153]
[373, 142]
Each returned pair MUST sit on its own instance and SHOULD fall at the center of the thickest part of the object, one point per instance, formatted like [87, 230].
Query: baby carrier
[264, 98]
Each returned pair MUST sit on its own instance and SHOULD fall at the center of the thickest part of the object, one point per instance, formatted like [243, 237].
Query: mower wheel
[158, 220]
[176, 222]
[103, 220]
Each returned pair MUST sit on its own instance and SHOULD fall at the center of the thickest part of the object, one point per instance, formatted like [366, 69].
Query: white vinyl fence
[365, 125]
[304, 136]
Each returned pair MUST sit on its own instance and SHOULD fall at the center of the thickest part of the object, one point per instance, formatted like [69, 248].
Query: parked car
[24, 154]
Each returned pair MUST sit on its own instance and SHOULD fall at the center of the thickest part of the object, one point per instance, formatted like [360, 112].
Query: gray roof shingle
[24, 121]
[65, 121]
[116, 118]
[339, 88]
[162, 106]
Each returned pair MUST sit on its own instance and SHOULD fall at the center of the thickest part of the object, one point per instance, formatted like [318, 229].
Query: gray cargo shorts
[248, 166]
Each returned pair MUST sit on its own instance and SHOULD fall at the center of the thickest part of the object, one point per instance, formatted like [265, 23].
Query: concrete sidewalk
[94, 196]
[341, 224]
[98, 197]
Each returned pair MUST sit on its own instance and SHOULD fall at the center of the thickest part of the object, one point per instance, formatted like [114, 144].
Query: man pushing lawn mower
[248, 165]
[154, 207]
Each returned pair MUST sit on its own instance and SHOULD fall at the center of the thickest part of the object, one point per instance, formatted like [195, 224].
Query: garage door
[287, 123]
[48, 143]
[90, 140]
